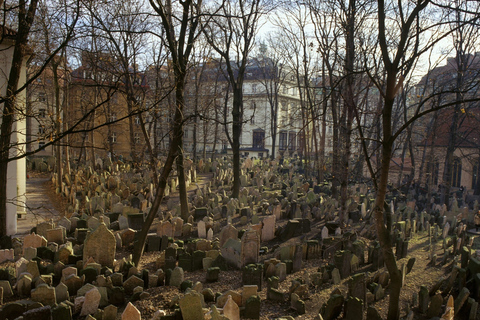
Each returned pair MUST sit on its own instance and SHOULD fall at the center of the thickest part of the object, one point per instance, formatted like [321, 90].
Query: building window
[185, 134]
[113, 117]
[113, 137]
[476, 178]
[41, 145]
[252, 120]
[283, 141]
[285, 89]
[42, 113]
[301, 141]
[41, 130]
[259, 139]
[42, 97]
[137, 120]
[456, 173]
[136, 138]
[292, 138]
[254, 88]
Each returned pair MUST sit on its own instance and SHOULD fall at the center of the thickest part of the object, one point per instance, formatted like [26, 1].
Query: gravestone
[44, 294]
[92, 300]
[131, 313]
[33, 240]
[252, 274]
[343, 259]
[100, 245]
[250, 247]
[135, 221]
[324, 232]
[177, 277]
[228, 232]
[191, 306]
[268, 228]
[231, 309]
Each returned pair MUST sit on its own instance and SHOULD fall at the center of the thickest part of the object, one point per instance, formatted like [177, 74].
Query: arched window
[456, 172]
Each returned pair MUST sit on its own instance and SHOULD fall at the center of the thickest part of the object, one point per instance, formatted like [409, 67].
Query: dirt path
[42, 204]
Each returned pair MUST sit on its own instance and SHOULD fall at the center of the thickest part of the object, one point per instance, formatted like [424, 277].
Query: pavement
[39, 206]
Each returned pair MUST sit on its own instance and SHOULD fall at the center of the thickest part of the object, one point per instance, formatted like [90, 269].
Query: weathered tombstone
[343, 259]
[354, 309]
[191, 306]
[250, 247]
[43, 227]
[61, 292]
[449, 310]
[228, 232]
[24, 285]
[202, 232]
[92, 300]
[423, 299]
[33, 240]
[231, 309]
[100, 245]
[357, 287]
[135, 221]
[324, 232]
[252, 274]
[131, 313]
[268, 228]
[435, 306]
[177, 277]
[44, 294]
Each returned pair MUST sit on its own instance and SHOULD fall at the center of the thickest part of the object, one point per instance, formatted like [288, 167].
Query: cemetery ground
[310, 272]
[422, 274]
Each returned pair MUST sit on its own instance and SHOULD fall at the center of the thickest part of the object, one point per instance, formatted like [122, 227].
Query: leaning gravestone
[250, 247]
[100, 245]
[191, 306]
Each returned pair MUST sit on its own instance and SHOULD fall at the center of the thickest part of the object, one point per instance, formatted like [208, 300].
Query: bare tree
[232, 35]
[22, 17]
[180, 24]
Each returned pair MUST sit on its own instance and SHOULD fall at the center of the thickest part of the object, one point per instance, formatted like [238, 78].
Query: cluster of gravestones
[119, 189]
[461, 288]
[119, 198]
[50, 272]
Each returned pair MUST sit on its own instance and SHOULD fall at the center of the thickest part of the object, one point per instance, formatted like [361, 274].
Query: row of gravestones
[100, 192]
[459, 290]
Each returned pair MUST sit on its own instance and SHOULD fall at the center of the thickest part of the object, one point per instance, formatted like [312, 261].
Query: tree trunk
[173, 153]
[382, 231]
[236, 134]
[25, 20]
[349, 108]
[58, 145]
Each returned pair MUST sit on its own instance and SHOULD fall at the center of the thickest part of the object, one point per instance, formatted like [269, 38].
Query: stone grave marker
[250, 247]
[100, 245]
